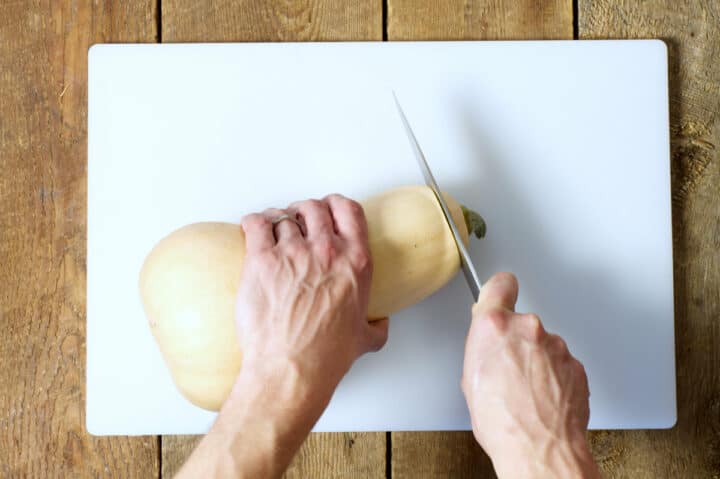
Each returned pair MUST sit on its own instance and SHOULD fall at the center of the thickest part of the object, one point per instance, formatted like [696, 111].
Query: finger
[258, 232]
[377, 334]
[283, 230]
[486, 335]
[349, 217]
[316, 217]
[500, 291]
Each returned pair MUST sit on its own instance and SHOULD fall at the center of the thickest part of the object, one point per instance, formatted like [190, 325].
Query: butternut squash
[189, 281]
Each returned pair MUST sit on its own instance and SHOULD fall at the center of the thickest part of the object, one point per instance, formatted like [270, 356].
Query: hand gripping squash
[189, 281]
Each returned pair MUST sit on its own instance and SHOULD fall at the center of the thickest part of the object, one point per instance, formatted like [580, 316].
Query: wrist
[301, 376]
[264, 421]
[557, 458]
[277, 392]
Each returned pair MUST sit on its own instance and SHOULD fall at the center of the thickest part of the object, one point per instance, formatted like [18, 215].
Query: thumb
[499, 292]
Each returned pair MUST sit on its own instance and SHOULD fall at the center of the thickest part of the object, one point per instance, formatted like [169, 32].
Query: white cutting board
[561, 146]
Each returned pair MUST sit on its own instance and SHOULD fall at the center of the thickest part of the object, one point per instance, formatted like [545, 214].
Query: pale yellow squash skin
[413, 250]
[189, 281]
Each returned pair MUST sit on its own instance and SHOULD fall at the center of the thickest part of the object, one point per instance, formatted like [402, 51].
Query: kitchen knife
[468, 269]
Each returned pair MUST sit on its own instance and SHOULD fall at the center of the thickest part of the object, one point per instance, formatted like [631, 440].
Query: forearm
[264, 421]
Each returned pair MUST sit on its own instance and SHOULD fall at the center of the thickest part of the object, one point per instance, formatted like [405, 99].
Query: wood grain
[340, 455]
[439, 455]
[326, 455]
[456, 454]
[691, 29]
[175, 450]
[322, 455]
[43, 116]
[274, 20]
[479, 19]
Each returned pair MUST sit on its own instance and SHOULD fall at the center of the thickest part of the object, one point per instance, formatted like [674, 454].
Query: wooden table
[43, 117]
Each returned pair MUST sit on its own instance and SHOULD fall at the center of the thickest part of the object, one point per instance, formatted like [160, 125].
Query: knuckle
[347, 205]
[534, 326]
[255, 220]
[496, 318]
[559, 345]
[361, 259]
[315, 205]
[355, 208]
[306, 206]
[270, 212]
[325, 250]
[335, 197]
[294, 247]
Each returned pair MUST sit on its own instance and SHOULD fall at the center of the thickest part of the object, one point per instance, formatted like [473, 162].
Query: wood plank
[479, 19]
[691, 29]
[268, 21]
[43, 125]
[457, 454]
[325, 455]
[438, 455]
[322, 455]
[340, 455]
[175, 449]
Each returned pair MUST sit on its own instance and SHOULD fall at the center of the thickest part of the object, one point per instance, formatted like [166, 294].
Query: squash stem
[474, 222]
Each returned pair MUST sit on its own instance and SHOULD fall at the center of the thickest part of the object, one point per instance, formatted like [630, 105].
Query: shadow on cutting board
[582, 305]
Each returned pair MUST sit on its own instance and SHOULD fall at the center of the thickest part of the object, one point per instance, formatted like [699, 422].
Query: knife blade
[468, 268]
